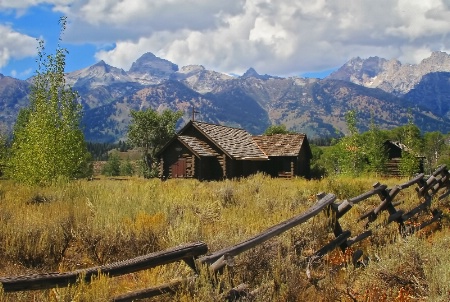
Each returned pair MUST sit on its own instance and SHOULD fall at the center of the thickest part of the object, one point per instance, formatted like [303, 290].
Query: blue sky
[41, 22]
[283, 37]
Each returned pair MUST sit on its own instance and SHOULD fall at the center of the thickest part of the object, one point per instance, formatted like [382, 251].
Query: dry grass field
[81, 224]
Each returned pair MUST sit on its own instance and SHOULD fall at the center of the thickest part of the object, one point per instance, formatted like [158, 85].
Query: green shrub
[112, 166]
[126, 168]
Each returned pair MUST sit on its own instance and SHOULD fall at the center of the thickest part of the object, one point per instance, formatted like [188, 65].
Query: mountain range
[380, 90]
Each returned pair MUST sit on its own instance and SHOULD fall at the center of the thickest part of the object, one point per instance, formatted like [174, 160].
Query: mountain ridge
[385, 91]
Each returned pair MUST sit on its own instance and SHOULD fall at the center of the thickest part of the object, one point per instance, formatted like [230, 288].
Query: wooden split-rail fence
[195, 254]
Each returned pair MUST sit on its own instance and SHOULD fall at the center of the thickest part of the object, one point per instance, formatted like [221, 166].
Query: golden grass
[86, 223]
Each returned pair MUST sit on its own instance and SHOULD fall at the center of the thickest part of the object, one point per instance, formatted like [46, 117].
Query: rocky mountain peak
[150, 69]
[250, 73]
[150, 64]
[359, 71]
[100, 63]
[437, 55]
[372, 66]
[391, 76]
[438, 61]
[101, 66]
[99, 74]
[253, 101]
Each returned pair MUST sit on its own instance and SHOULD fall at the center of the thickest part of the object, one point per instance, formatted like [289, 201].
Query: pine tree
[48, 142]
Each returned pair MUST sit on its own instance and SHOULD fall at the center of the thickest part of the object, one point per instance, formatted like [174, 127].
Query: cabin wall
[210, 168]
[233, 168]
[250, 167]
[278, 166]
[177, 158]
[304, 163]
[289, 166]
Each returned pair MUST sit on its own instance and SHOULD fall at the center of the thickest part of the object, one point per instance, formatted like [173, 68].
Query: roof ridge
[277, 134]
[217, 125]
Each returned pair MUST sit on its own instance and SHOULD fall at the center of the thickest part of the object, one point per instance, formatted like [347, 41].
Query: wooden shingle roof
[280, 144]
[198, 146]
[236, 142]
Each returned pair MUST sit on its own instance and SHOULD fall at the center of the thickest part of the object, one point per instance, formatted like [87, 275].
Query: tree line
[366, 153]
[100, 151]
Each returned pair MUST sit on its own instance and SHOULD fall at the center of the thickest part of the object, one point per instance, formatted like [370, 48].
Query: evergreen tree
[48, 142]
[99, 151]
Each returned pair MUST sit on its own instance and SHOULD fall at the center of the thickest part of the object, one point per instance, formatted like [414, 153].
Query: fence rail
[195, 254]
[276, 230]
[44, 281]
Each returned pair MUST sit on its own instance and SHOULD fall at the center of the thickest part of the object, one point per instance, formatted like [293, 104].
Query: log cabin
[213, 152]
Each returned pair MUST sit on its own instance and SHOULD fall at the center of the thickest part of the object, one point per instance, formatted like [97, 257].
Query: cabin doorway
[179, 168]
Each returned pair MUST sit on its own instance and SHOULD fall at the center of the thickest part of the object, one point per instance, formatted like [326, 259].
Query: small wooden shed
[394, 152]
[212, 152]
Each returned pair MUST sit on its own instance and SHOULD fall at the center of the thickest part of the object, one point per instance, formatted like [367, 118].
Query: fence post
[334, 215]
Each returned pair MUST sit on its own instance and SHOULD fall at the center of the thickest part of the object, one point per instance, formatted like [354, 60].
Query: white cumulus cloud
[14, 45]
[282, 37]
[20, 6]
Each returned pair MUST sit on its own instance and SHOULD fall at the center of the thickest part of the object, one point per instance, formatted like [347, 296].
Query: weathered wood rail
[44, 281]
[194, 254]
